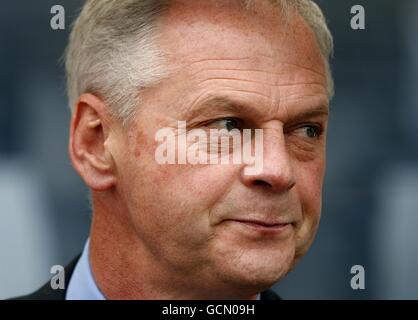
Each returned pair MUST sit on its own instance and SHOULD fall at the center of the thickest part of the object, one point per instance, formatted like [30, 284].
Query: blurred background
[370, 202]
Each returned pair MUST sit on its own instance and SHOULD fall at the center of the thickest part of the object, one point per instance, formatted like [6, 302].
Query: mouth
[261, 227]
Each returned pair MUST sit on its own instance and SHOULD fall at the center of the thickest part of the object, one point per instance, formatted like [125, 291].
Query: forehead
[196, 30]
[218, 45]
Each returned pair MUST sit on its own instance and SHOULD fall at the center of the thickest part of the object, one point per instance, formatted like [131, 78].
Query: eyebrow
[318, 111]
[221, 103]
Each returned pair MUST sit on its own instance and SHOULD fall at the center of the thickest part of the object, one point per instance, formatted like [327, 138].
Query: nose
[276, 173]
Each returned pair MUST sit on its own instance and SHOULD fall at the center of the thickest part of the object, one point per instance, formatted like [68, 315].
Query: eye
[310, 131]
[227, 123]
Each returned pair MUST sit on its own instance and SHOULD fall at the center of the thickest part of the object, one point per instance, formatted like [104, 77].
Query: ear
[88, 149]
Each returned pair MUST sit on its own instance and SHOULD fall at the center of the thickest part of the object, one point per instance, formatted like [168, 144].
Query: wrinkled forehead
[198, 30]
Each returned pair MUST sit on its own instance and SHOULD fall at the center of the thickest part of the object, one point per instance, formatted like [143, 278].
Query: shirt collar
[82, 285]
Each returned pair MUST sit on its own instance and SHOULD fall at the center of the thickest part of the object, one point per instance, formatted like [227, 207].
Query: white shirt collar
[82, 285]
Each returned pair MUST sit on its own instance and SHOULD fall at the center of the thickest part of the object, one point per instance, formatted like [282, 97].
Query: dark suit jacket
[47, 293]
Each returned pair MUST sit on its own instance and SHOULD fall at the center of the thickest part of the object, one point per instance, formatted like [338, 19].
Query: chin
[255, 274]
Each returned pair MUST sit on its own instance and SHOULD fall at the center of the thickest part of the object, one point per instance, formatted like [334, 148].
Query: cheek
[310, 178]
[173, 214]
[188, 194]
[175, 200]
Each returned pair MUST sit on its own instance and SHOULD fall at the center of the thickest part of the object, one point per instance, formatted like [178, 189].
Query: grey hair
[113, 51]
[314, 17]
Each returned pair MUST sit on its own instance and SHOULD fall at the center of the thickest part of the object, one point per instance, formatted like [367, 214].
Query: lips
[261, 228]
[261, 223]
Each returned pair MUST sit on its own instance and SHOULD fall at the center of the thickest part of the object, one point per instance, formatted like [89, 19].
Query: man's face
[205, 220]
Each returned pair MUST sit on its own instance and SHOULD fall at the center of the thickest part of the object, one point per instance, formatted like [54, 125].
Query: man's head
[199, 230]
